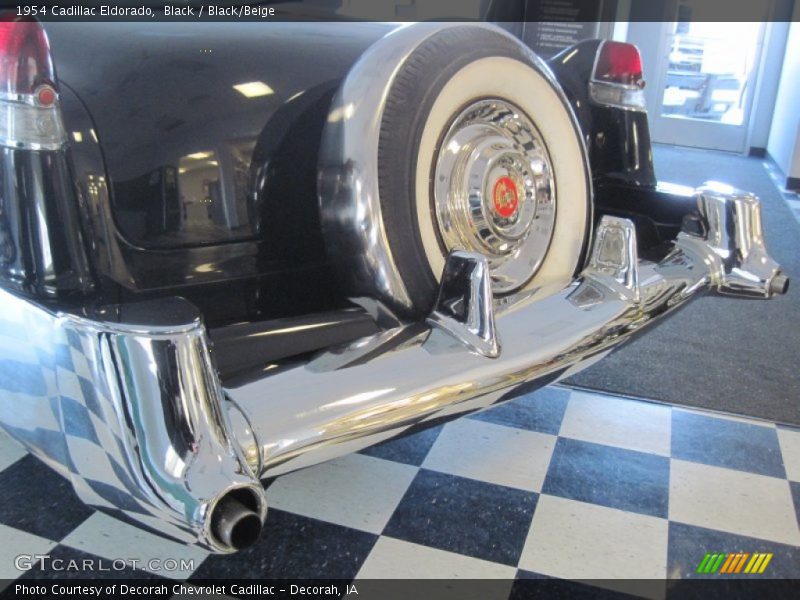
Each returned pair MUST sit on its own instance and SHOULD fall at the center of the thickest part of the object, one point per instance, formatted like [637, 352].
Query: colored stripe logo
[731, 563]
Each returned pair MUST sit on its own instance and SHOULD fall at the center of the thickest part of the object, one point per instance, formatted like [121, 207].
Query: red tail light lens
[617, 80]
[25, 63]
[619, 63]
[30, 118]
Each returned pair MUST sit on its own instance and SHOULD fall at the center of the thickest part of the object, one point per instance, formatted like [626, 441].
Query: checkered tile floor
[561, 483]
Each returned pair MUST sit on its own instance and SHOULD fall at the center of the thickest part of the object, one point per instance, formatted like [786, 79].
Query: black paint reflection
[200, 200]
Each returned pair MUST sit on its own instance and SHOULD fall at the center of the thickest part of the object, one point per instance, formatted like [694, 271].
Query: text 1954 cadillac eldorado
[232, 250]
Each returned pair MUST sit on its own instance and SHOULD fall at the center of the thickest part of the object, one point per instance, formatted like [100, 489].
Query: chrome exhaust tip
[236, 520]
[779, 284]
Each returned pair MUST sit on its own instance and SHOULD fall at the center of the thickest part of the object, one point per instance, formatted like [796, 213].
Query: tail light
[29, 112]
[617, 78]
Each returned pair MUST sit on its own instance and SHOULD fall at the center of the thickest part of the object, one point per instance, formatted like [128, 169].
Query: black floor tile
[688, 546]
[541, 411]
[613, 477]
[464, 516]
[795, 487]
[294, 547]
[411, 449]
[725, 443]
[38, 500]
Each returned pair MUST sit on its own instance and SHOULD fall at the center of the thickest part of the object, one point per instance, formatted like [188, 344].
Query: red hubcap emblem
[505, 197]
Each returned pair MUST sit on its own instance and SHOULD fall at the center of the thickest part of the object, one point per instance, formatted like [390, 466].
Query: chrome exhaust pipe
[779, 285]
[125, 402]
[235, 520]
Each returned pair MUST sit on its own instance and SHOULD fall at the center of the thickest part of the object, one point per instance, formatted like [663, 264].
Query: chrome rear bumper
[126, 403]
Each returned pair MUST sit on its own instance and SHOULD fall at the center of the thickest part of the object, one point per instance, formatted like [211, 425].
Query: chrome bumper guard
[126, 402]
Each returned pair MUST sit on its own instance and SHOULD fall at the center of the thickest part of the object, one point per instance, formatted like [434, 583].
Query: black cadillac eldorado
[232, 250]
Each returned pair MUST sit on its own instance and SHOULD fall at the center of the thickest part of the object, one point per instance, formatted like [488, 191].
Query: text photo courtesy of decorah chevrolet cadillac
[232, 252]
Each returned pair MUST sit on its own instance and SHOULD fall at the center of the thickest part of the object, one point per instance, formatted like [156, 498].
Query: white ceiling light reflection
[359, 398]
[253, 89]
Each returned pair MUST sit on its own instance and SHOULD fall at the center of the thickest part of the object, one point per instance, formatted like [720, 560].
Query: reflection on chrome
[614, 260]
[495, 155]
[127, 405]
[464, 307]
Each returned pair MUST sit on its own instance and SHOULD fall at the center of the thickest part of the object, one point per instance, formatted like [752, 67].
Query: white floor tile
[493, 453]
[576, 540]
[10, 450]
[790, 450]
[396, 559]
[112, 539]
[355, 491]
[732, 501]
[618, 422]
[16, 543]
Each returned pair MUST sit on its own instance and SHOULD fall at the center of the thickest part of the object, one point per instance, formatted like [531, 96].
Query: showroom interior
[620, 479]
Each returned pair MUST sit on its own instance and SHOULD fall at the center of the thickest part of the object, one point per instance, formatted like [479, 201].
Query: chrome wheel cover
[494, 191]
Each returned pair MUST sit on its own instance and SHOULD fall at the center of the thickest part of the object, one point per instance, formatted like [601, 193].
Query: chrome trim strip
[616, 95]
[28, 99]
[125, 402]
[22, 145]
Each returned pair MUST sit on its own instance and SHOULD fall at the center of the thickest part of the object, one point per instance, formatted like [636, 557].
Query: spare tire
[478, 150]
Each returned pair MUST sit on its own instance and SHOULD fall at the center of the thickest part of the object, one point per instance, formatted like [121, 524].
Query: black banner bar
[380, 589]
[549, 11]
